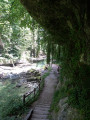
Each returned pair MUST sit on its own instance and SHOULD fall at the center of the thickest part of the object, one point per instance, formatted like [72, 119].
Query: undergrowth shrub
[59, 94]
[11, 102]
[46, 73]
[75, 85]
[79, 94]
[11, 106]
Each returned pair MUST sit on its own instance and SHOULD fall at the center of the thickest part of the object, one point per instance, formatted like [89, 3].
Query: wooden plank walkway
[42, 106]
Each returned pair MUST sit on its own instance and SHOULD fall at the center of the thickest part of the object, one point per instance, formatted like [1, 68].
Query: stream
[24, 76]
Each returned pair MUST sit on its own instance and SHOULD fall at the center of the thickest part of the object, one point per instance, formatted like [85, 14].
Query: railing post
[24, 99]
[34, 92]
[39, 86]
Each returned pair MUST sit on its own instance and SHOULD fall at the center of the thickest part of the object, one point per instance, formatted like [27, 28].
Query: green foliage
[79, 99]
[79, 92]
[74, 75]
[11, 101]
[46, 74]
[19, 32]
[12, 106]
[59, 94]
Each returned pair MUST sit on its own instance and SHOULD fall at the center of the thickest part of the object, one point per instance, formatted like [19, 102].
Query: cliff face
[59, 16]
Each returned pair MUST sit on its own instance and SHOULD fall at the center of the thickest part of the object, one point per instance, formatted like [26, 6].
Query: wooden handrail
[32, 92]
[29, 115]
[28, 93]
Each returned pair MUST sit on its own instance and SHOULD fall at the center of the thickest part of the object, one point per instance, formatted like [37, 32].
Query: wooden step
[43, 109]
[38, 119]
[45, 105]
[42, 106]
[40, 112]
[39, 116]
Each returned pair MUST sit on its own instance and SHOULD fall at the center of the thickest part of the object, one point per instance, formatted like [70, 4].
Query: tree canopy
[19, 32]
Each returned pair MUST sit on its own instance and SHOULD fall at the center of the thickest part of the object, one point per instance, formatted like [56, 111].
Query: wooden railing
[29, 115]
[34, 92]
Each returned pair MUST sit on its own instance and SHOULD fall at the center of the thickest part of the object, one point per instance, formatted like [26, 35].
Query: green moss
[59, 94]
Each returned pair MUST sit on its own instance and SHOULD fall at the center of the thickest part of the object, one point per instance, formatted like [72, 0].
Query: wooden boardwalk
[42, 106]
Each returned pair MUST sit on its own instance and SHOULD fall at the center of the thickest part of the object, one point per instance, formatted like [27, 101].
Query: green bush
[11, 103]
[46, 74]
[79, 99]
[76, 87]
[11, 106]
[59, 94]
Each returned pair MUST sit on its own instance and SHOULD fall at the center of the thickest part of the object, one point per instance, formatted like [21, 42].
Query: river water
[17, 75]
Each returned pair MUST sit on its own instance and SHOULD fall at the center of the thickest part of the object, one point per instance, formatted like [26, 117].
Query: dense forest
[19, 32]
[61, 30]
